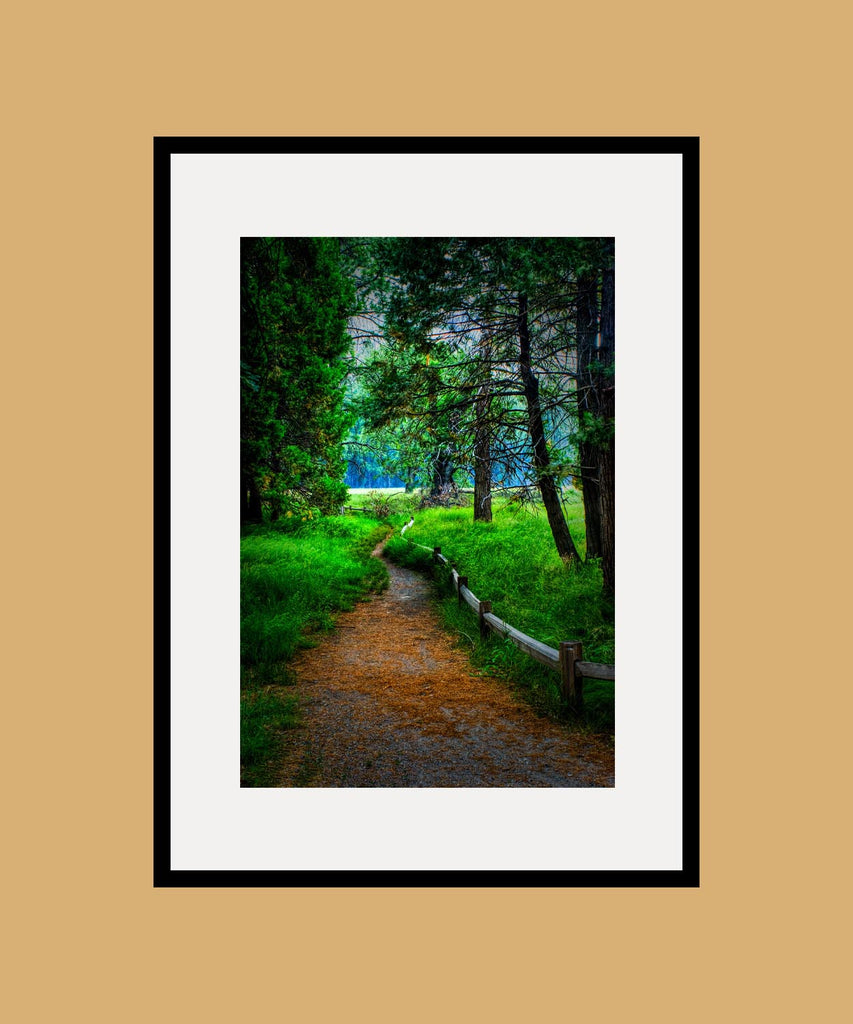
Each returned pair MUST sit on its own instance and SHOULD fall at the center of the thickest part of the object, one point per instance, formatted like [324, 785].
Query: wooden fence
[567, 659]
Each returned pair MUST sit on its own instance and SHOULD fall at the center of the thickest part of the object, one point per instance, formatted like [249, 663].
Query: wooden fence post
[463, 582]
[485, 606]
[571, 682]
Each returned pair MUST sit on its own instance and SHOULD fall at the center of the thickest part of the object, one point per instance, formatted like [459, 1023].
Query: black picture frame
[164, 148]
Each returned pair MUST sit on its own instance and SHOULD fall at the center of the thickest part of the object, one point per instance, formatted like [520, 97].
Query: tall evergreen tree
[607, 414]
[545, 476]
[294, 306]
[587, 333]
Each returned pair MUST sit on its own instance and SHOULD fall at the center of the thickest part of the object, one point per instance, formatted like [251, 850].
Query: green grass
[358, 494]
[292, 583]
[512, 562]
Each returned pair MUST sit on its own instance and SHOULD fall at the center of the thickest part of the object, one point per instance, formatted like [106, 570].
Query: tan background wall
[86, 86]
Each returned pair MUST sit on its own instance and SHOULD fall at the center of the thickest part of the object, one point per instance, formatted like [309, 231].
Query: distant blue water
[354, 478]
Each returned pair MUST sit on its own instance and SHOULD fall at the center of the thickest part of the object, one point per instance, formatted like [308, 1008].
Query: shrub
[449, 496]
[378, 504]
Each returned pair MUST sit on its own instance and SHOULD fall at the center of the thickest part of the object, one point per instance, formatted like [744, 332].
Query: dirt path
[387, 700]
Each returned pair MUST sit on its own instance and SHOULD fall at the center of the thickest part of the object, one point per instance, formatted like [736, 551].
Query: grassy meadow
[512, 562]
[294, 578]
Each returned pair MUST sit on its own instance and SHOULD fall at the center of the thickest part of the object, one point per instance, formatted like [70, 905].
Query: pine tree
[294, 306]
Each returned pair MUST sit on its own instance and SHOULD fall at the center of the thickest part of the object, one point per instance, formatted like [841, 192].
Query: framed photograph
[372, 337]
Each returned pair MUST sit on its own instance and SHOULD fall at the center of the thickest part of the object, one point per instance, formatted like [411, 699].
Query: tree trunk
[482, 476]
[586, 329]
[607, 452]
[482, 447]
[608, 519]
[250, 501]
[547, 484]
[442, 473]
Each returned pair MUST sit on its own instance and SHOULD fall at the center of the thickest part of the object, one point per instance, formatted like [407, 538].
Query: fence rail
[567, 659]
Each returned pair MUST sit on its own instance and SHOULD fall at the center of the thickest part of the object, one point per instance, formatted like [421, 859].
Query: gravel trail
[388, 700]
